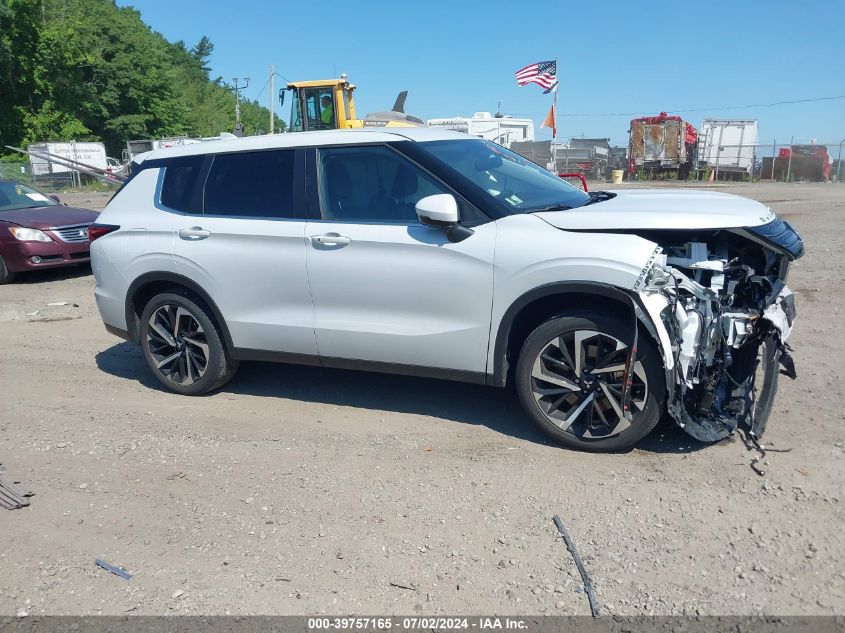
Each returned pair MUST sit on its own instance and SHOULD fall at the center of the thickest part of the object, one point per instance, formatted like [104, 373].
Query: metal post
[74, 175]
[237, 90]
[839, 162]
[237, 103]
[718, 152]
[753, 162]
[272, 100]
[789, 163]
[774, 155]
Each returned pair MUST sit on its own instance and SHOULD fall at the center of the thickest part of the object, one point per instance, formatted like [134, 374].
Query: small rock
[249, 500]
[502, 564]
[176, 594]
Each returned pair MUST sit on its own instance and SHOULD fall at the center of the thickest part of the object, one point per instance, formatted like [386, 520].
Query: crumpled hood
[663, 209]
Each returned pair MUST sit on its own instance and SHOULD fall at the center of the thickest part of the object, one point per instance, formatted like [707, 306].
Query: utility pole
[272, 99]
[237, 90]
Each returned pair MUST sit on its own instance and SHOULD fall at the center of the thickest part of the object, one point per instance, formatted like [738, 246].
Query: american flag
[542, 73]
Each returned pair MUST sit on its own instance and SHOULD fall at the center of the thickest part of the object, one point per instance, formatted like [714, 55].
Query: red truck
[662, 143]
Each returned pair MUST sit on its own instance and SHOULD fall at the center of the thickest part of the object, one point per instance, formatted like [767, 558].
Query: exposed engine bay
[728, 314]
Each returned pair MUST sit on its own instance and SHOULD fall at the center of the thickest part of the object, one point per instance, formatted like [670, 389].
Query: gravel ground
[298, 490]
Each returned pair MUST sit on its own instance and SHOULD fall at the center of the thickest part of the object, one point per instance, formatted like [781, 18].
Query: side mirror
[54, 198]
[438, 210]
[282, 97]
[441, 210]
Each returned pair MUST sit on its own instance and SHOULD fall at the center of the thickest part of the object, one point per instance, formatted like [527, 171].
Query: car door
[246, 248]
[387, 289]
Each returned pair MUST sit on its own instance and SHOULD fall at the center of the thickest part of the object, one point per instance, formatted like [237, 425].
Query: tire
[587, 417]
[185, 332]
[765, 379]
[6, 275]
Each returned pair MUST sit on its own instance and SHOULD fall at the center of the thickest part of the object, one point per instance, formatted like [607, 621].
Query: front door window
[372, 184]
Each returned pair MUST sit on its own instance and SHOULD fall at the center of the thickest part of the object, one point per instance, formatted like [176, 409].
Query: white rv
[501, 129]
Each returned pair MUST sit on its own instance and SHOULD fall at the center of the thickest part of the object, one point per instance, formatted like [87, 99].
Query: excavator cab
[320, 105]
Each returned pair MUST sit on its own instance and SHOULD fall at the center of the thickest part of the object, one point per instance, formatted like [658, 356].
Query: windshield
[517, 183]
[14, 196]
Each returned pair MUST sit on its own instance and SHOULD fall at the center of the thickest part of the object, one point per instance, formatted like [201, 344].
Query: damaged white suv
[428, 252]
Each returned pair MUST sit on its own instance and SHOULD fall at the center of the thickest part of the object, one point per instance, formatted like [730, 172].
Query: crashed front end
[727, 313]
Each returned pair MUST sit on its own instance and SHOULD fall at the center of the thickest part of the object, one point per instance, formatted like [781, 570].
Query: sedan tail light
[98, 230]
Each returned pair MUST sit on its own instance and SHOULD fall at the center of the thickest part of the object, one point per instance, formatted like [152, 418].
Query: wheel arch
[541, 303]
[148, 285]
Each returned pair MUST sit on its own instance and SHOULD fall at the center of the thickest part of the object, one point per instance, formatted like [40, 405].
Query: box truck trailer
[728, 146]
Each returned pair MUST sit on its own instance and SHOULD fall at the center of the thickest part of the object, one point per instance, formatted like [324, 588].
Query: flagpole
[554, 122]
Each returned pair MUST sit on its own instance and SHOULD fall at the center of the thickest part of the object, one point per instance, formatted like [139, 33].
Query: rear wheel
[6, 275]
[183, 346]
[570, 375]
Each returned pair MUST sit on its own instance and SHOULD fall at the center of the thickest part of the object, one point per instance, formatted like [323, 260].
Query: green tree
[202, 52]
[90, 70]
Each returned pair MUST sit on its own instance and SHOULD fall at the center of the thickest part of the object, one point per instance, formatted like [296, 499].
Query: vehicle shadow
[497, 409]
[668, 437]
[53, 274]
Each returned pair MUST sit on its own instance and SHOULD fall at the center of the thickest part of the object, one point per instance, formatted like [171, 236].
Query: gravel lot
[298, 490]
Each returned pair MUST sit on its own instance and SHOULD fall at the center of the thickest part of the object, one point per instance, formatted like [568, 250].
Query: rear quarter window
[179, 184]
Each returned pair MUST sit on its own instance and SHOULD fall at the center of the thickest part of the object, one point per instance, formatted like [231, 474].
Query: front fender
[534, 259]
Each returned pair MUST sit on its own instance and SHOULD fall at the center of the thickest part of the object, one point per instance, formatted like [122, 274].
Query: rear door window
[253, 185]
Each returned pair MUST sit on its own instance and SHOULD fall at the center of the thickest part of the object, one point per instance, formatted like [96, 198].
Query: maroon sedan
[36, 231]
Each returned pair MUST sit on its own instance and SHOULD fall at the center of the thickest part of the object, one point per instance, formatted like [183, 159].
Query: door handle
[330, 239]
[194, 233]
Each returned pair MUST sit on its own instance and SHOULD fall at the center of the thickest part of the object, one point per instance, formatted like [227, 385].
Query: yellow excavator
[329, 104]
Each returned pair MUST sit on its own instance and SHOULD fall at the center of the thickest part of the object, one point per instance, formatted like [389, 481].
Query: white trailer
[93, 154]
[501, 129]
[728, 145]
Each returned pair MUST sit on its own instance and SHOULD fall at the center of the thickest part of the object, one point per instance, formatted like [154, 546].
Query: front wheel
[569, 378]
[183, 346]
[6, 275]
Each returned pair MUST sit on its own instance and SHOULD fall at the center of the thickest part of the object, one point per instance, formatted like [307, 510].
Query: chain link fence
[52, 183]
[794, 161]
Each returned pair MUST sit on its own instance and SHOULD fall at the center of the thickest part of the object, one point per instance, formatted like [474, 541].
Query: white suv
[432, 253]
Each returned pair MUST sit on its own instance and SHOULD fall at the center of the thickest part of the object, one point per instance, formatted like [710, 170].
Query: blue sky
[615, 56]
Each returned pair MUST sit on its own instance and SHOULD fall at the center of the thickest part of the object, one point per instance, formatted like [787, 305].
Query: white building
[501, 129]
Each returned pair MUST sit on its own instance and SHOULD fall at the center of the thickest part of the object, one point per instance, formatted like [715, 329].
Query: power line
[731, 107]
[261, 92]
